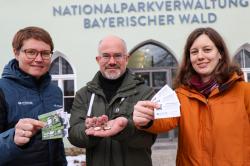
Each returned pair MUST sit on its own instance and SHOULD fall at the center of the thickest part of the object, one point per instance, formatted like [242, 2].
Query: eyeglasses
[32, 53]
[117, 57]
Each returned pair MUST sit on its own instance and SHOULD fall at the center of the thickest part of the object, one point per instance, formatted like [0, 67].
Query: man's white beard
[113, 75]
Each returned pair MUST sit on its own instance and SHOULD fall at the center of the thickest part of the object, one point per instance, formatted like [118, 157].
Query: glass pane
[171, 134]
[162, 135]
[66, 68]
[68, 86]
[136, 60]
[151, 55]
[168, 60]
[248, 77]
[238, 60]
[54, 68]
[247, 57]
[145, 76]
[68, 103]
[159, 79]
[156, 89]
[55, 82]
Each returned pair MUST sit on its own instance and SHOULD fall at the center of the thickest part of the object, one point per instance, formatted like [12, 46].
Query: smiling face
[112, 58]
[204, 57]
[35, 67]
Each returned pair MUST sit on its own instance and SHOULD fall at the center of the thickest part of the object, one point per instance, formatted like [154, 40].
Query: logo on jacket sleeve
[57, 106]
[25, 103]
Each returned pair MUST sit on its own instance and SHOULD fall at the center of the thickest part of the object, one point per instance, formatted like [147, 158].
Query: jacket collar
[127, 87]
[13, 72]
[192, 93]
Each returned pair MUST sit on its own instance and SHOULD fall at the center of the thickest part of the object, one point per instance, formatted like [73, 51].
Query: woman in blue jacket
[26, 92]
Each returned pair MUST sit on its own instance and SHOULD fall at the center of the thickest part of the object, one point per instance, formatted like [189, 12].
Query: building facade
[155, 32]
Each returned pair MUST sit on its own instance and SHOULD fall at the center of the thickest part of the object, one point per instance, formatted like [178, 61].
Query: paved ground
[163, 152]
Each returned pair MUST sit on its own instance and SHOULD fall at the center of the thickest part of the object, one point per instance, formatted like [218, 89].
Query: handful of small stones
[102, 127]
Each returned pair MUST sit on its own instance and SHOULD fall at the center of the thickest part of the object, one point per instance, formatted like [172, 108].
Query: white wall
[79, 44]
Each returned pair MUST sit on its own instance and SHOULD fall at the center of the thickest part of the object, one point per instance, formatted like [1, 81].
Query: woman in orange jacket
[214, 126]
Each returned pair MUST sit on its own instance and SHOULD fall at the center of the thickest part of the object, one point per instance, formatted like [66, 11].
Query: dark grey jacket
[128, 148]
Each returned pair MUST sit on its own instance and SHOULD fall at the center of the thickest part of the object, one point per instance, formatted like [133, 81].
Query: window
[63, 76]
[151, 55]
[155, 78]
[242, 57]
[156, 64]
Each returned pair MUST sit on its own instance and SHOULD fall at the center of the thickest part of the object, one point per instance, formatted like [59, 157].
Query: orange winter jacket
[213, 131]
